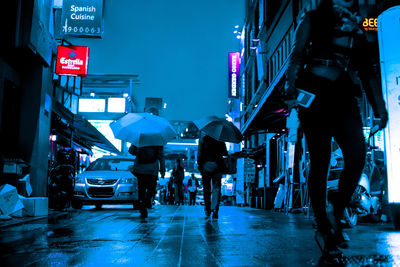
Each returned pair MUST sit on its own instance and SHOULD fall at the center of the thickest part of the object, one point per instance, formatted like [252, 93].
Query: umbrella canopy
[143, 129]
[219, 129]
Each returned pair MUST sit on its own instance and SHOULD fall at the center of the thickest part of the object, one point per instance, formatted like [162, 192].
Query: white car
[108, 180]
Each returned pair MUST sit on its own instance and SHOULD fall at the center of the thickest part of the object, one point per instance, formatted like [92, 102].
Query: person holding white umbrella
[148, 134]
[149, 161]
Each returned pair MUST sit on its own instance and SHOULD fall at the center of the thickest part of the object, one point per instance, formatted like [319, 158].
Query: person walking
[210, 163]
[179, 174]
[330, 55]
[171, 190]
[192, 184]
[149, 161]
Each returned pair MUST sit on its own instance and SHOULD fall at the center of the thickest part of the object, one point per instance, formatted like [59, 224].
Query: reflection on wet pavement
[181, 236]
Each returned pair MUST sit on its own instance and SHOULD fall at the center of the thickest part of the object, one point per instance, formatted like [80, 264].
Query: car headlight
[127, 181]
[80, 180]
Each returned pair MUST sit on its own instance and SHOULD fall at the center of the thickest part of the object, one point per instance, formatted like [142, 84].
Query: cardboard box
[24, 187]
[8, 199]
[35, 206]
[17, 212]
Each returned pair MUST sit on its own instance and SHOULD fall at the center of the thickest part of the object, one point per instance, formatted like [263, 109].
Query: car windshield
[110, 165]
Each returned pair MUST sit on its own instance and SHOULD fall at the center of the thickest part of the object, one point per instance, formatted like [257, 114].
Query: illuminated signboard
[370, 24]
[116, 105]
[92, 105]
[72, 60]
[234, 73]
[82, 18]
[389, 52]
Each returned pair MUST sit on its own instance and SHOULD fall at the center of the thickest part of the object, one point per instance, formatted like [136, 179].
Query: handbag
[228, 165]
[210, 166]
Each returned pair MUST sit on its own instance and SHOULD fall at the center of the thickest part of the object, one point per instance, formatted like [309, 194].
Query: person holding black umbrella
[210, 157]
[210, 161]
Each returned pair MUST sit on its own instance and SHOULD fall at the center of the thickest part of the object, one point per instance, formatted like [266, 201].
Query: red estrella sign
[72, 60]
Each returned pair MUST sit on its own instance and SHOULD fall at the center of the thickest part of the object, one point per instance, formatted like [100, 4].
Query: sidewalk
[181, 236]
[22, 220]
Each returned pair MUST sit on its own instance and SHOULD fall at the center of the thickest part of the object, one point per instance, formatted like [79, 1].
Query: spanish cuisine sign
[82, 18]
[72, 60]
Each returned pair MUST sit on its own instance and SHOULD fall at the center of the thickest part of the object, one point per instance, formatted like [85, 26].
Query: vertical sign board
[72, 60]
[82, 18]
[234, 73]
[389, 39]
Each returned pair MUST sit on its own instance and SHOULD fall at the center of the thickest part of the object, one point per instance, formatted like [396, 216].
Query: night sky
[179, 49]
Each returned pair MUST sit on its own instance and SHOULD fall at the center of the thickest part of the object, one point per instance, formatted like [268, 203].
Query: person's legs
[216, 193]
[194, 198]
[317, 125]
[351, 141]
[181, 197]
[176, 186]
[150, 181]
[142, 194]
[207, 193]
[191, 198]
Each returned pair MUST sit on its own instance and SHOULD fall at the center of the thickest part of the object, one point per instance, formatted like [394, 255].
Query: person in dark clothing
[210, 162]
[171, 190]
[329, 58]
[149, 161]
[192, 184]
[179, 174]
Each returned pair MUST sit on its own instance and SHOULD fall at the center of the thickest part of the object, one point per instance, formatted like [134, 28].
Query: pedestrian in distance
[148, 162]
[210, 163]
[192, 184]
[171, 190]
[329, 57]
[179, 174]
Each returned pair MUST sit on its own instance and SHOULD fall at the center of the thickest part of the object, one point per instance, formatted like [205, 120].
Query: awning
[82, 132]
[268, 114]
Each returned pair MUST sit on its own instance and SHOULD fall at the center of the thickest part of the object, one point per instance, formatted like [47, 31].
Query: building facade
[266, 41]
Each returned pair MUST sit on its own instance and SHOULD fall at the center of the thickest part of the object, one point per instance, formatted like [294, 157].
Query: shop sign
[82, 18]
[234, 65]
[370, 24]
[389, 38]
[72, 60]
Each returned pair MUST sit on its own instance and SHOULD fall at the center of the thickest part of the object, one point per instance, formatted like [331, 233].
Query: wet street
[181, 236]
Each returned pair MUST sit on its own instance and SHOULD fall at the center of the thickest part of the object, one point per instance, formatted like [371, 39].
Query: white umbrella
[219, 129]
[143, 129]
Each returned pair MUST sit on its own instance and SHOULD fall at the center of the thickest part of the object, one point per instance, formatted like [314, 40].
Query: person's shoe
[330, 251]
[341, 239]
[143, 211]
[208, 213]
[215, 215]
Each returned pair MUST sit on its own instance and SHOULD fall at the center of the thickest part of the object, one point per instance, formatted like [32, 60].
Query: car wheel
[98, 205]
[76, 204]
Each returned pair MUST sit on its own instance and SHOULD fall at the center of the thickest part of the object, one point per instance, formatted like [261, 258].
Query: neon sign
[234, 64]
[72, 60]
[370, 24]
